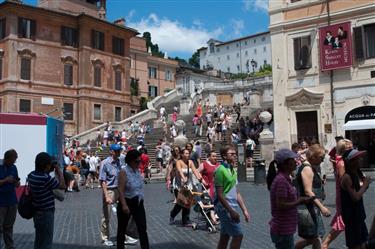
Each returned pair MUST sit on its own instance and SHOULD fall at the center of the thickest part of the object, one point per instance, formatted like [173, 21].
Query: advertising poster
[335, 46]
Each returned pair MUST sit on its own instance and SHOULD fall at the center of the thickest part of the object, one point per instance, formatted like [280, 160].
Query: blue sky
[182, 26]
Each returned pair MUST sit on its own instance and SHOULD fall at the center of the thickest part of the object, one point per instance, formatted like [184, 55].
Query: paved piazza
[77, 221]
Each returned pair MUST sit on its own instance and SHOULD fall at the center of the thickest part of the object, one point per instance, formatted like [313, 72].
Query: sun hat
[284, 154]
[353, 154]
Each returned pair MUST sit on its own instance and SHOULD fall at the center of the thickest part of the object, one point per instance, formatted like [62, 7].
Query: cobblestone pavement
[77, 221]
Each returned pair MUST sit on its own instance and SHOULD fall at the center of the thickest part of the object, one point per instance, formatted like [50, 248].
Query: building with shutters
[63, 58]
[235, 56]
[311, 102]
[153, 76]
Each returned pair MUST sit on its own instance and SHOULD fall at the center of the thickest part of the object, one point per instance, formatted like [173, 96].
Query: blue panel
[55, 138]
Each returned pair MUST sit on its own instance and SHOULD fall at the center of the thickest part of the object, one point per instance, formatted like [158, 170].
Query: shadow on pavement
[175, 245]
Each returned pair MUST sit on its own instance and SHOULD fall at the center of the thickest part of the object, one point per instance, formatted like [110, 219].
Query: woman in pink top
[284, 199]
[337, 223]
[207, 170]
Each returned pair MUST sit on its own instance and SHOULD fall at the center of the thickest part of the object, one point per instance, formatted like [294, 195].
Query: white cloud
[130, 15]
[172, 36]
[238, 26]
[255, 5]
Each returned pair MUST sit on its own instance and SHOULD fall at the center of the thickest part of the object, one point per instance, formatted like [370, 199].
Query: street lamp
[254, 64]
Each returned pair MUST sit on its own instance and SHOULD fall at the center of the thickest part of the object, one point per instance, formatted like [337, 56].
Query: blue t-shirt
[41, 185]
[8, 195]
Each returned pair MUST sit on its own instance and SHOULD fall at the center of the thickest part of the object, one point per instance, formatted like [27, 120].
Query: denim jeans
[283, 241]
[43, 223]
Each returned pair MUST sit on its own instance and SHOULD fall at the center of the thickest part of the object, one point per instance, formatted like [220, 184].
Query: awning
[365, 124]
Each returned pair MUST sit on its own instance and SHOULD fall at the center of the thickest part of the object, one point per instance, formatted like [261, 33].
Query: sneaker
[107, 243]
[130, 241]
[171, 221]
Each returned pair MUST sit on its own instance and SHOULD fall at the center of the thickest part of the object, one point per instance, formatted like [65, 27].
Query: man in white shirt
[250, 146]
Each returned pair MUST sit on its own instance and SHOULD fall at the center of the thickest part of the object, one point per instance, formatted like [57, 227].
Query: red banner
[335, 46]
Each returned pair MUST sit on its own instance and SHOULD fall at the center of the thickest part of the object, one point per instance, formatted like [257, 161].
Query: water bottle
[114, 209]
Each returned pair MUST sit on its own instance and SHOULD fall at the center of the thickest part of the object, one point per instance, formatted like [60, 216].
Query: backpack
[25, 204]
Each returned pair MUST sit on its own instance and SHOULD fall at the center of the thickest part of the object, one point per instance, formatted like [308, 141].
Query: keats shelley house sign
[335, 46]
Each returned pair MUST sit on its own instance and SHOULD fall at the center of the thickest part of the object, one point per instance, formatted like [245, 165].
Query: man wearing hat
[108, 177]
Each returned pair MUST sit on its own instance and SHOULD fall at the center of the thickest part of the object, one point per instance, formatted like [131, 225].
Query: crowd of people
[297, 197]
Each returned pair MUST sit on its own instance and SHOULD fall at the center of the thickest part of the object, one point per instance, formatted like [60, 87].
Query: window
[97, 76]
[69, 36]
[25, 105]
[246, 53]
[218, 59]
[26, 28]
[97, 112]
[228, 69]
[134, 85]
[364, 41]
[152, 72]
[265, 62]
[68, 111]
[238, 68]
[255, 40]
[263, 39]
[264, 49]
[118, 111]
[25, 68]
[118, 46]
[302, 53]
[218, 50]
[238, 55]
[2, 28]
[227, 47]
[212, 48]
[255, 51]
[245, 43]
[205, 53]
[118, 80]
[237, 45]
[97, 40]
[68, 74]
[293, 1]
[168, 75]
[152, 91]
[228, 57]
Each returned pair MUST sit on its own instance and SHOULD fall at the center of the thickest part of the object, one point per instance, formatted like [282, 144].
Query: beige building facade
[305, 105]
[63, 58]
[154, 75]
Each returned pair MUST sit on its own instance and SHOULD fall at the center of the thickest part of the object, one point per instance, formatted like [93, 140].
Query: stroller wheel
[194, 226]
[210, 229]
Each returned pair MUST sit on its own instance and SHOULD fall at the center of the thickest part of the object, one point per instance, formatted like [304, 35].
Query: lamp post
[254, 65]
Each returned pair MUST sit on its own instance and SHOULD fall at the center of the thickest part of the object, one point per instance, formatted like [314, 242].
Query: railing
[143, 116]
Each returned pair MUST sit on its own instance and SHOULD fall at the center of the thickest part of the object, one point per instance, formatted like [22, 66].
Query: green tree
[154, 47]
[194, 60]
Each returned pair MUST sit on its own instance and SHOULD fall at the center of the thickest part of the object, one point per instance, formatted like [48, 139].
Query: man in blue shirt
[9, 180]
[108, 177]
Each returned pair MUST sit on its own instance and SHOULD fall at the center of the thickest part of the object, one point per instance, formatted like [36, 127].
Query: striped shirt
[41, 185]
[284, 221]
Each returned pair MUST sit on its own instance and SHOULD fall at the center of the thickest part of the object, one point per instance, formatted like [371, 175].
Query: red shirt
[145, 161]
[284, 221]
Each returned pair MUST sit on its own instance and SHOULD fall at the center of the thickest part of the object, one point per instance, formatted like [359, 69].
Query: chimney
[120, 22]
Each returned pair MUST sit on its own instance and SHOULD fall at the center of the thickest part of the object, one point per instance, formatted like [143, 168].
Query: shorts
[249, 153]
[92, 173]
[227, 225]
[68, 175]
[283, 241]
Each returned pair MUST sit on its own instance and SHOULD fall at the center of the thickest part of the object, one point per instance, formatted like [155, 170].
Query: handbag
[131, 229]
[185, 198]
[307, 222]
[25, 205]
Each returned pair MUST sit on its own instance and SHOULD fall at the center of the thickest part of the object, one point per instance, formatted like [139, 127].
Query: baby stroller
[203, 208]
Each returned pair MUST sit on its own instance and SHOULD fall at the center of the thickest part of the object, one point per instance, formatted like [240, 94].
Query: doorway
[307, 126]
